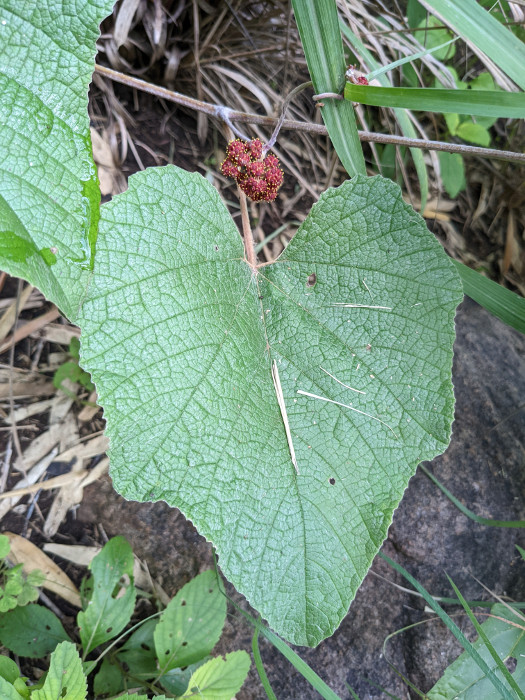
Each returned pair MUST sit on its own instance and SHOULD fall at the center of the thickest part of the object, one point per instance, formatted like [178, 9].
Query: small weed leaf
[219, 679]
[180, 334]
[32, 631]
[8, 692]
[110, 606]
[4, 546]
[65, 679]
[192, 623]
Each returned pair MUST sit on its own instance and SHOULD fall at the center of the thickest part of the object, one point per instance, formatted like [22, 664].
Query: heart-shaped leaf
[283, 409]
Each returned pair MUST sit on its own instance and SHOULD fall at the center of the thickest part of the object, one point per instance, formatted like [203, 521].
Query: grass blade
[466, 511]
[404, 122]
[477, 103]
[408, 59]
[260, 667]
[501, 302]
[308, 673]
[451, 625]
[483, 33]
[318, 26]
[490, 648]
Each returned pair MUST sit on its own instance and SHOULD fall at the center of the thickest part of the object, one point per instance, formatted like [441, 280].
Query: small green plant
[167, 653]
[71, 370]
[16, 588]
[472, 129]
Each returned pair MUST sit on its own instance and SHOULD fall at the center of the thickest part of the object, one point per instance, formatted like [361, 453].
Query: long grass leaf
[260, 667]
[477, 103]
[318, 26]
[408, 59]
[501, 302]
[406, 126]
[484, 34]
[489, 646]
[466, 511]
[451, 625]
[308, 673]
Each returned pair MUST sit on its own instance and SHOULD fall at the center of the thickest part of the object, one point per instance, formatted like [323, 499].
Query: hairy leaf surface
[180, 335]
[49, 195]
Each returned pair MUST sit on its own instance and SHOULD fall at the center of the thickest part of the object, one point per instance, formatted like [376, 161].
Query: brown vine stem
[247, 118]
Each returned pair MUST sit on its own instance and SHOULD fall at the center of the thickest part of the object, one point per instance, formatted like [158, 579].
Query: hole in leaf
[184, 644]
[210, 590]
[216, 247]
[109, 630]
[331, 480]
[167, 652]
[312, 279]
[48, 627]
[511, 664]
[145, 646]
[64, 692]
[183, 602]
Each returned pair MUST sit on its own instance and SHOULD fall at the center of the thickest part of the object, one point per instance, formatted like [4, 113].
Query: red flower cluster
[259, 178]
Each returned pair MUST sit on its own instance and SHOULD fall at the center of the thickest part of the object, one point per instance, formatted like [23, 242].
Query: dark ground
[484, 467]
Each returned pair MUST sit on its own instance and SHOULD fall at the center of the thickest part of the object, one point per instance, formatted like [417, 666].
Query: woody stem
[249, 248]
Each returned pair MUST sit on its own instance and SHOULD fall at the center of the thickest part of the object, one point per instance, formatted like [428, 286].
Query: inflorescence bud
[259, 178]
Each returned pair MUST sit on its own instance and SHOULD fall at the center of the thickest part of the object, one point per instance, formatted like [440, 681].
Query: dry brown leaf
[85, 449]
[58, 333]
[28, 410]
[32, 477]
[89, 412]
[30, 327]
[71, 478]
[513, 255]
[24, 384]
[41, 445]
[124, 19]
[111, 178]
[71, 494]
[9, 315]
[31, 557]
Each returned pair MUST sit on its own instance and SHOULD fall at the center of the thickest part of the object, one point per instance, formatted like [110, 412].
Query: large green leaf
[180, 335]
[49, 196]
